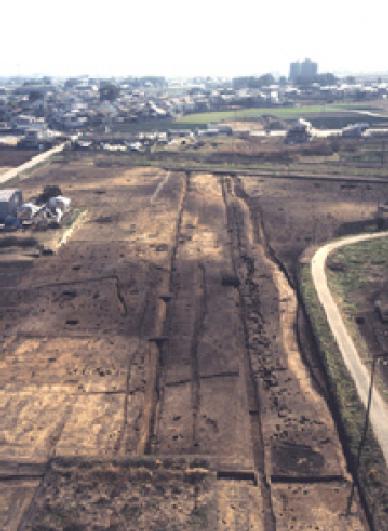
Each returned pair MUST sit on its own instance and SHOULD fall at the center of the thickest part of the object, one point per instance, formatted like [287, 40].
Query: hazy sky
[200, 37]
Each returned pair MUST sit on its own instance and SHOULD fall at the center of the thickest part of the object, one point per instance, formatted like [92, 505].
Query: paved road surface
[373, 114]
[38, 159]
[360, 373]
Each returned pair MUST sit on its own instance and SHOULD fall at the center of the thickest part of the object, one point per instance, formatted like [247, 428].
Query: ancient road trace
[150, 376]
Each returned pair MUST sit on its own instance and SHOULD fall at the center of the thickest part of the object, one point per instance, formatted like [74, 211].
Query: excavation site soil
[156, 369]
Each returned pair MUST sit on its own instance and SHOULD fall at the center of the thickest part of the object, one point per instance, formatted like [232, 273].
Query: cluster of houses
[297, 132]
[79, 104]
[41, 110]
[140, 141]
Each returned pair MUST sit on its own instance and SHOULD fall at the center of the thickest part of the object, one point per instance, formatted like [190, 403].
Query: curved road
[359, 372]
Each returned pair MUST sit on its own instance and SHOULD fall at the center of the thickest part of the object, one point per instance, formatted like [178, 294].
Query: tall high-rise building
[308, 69]
[294, 72]
[304, 71]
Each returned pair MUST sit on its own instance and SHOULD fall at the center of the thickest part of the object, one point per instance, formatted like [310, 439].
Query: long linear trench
[187, 383]
[254, 252]
[243, 267]
[229, 384]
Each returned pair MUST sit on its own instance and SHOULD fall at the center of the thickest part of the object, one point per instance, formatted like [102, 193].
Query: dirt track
[359, 372]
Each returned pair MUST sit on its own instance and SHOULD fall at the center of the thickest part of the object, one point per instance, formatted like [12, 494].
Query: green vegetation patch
[372, 474]
[280, 112]
[363, 262]
[72, 216]
[359, 269]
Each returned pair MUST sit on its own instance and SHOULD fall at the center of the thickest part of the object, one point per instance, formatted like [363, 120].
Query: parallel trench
[255, 415]
[162, 343]
[243, 269]
[309, 354]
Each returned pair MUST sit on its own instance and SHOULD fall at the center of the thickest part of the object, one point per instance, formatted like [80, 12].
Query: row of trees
[268, 79]
[253, 81]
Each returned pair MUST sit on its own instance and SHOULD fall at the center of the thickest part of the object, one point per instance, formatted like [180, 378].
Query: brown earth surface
[150, 371]
[13, 156]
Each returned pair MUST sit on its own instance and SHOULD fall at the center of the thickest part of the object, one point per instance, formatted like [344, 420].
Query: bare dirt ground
[150, 372]
[298, 214]
[339, 158]
[10, 156]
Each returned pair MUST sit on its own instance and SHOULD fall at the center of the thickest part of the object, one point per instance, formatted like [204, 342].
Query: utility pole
[363, 437]
[364, 433]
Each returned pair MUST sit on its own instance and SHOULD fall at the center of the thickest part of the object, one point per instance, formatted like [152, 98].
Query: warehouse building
[10, 201]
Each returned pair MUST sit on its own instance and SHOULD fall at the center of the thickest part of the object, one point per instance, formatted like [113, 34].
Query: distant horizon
[276, 74]
[172, 40]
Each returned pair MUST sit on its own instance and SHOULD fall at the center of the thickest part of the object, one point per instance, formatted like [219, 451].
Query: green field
[285, 112]
[365, 272]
